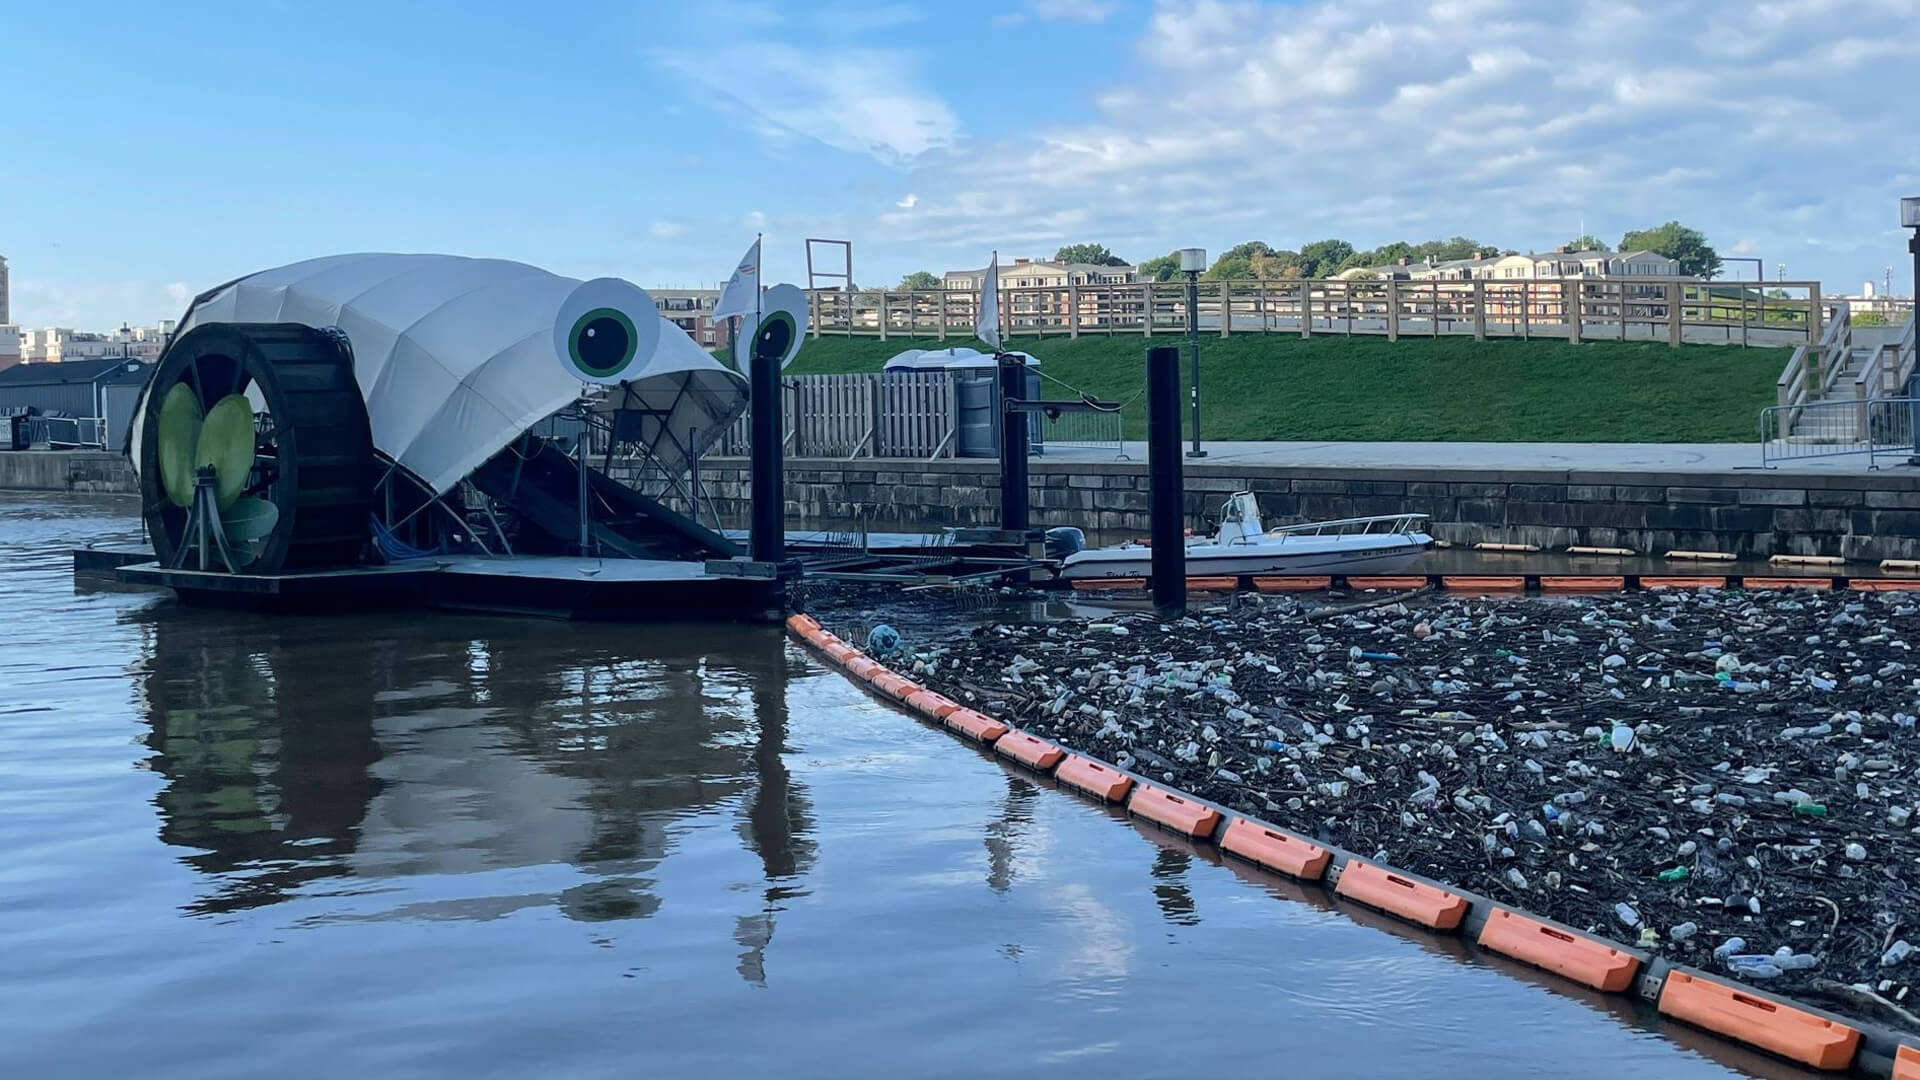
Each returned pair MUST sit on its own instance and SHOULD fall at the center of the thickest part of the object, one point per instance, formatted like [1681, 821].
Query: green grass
[1280, 387]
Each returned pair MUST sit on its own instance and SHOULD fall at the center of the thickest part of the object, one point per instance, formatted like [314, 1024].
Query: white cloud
[1507, 120]
[863, 100]
[665, 230]
[909, 202]
[1089, 11]
[755, 219]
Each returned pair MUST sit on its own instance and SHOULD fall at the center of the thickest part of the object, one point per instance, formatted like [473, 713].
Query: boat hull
[1382, 555]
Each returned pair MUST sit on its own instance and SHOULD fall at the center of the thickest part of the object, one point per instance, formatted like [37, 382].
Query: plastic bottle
[1753, 966]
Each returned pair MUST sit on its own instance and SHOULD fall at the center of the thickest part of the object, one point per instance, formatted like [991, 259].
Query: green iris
[602, 342]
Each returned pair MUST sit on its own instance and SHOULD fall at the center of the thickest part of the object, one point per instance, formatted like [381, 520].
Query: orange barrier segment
[931, 705]
[1788, 583]
[1036, 754]
[1471, 583]
[1581, 959]
[1783, 1029]
[1885, 584]
[1092, 778]
[1561, 583]
[894, 685]
[1292, 584]
[800, 624]
[863, 668]
[976, 726]
[1170, 811]
[1212, 584]
[1386, 582]
[1106, 584]
[842, 653]
[1683, 582]
[1376, 886]
[1276, 851]
[1906, 1063]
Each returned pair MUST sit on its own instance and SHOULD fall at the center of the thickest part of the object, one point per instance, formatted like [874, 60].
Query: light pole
[1192, 262]
[1910, 219]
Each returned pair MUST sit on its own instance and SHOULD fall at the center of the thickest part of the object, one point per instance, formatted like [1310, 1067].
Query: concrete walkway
[1610, 457]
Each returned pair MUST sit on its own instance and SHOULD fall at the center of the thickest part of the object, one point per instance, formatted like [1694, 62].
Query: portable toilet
[976, 395]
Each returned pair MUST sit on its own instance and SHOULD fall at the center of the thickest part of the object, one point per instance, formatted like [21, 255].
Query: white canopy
[456, 356]
[950, 359]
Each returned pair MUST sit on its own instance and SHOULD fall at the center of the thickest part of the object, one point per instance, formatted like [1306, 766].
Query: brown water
[413, 846]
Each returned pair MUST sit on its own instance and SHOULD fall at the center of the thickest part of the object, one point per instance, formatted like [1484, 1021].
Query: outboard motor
[1240, 519]
[1064, 541]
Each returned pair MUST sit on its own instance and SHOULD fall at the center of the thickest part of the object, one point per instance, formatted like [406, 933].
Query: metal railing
[1377, 525]
[1875, 428]
[67, 432]
[1673, 310]
[1101, 430]
[1098, 430]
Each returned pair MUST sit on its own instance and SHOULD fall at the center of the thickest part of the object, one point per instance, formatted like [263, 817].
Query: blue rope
[393, 549]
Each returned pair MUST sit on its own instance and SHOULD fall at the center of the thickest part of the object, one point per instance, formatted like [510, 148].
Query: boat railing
[1377, 525]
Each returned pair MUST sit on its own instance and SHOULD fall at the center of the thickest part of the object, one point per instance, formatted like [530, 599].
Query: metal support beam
[1013, 445]
[767, 538]
[1164, 474]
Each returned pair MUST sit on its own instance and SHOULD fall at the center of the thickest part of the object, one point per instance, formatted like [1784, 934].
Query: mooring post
[768, 536]
[1164, 475]
[1013, 445]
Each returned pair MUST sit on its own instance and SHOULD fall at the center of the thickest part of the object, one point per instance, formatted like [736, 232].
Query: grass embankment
[1280, 387]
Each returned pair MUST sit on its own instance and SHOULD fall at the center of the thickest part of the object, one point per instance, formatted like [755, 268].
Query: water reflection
[299, 750]
[1170, 889]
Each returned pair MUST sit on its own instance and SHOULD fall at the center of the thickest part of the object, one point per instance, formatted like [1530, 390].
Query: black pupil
[604, 344]
[774, 339]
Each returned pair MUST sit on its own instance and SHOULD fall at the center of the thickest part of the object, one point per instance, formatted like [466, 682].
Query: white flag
[743, 288]
[987, 328]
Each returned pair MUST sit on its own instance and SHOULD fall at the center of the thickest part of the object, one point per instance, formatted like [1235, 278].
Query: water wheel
[254, 445]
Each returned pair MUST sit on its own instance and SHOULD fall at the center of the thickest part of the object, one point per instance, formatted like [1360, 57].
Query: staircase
[1825, 391]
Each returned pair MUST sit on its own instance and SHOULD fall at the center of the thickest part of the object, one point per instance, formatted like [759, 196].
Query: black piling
[768, 535]
[1164, 475]
[1013, 445]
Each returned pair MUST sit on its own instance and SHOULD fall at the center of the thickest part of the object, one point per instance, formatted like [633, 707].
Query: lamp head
[1194, 260]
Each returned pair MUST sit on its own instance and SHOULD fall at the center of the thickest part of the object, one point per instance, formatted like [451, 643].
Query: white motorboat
[1385, 544]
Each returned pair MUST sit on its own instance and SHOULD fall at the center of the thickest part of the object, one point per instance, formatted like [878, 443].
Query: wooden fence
[1639, 309]
[846, 416]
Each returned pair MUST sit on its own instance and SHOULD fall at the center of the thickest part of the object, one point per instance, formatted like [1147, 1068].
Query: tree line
[1257, 259]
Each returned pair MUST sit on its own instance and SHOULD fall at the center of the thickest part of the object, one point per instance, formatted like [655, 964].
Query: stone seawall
[1861, 516]
[80, 471]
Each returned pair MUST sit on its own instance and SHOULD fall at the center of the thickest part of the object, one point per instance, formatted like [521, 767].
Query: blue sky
[161, 149]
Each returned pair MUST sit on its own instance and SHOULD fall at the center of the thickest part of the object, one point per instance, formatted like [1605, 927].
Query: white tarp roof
[455, 356]
[954, 359]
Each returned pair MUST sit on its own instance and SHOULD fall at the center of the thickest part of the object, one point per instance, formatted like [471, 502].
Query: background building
[9, 346]
[691, 310]
[59, 344]
[1047, 304]
[6, 295]
[92, 390]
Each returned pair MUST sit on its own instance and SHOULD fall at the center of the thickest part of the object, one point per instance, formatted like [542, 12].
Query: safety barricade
[1089, 777]
[1276, 851]
[1728, 1010]
[1172, 812]
[1378, 887]
[1036, 754]
[1582, 959]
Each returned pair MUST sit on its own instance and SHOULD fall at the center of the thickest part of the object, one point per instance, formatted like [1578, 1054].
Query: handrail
[1904, 353]
[1791, 388]
[1401, 523]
